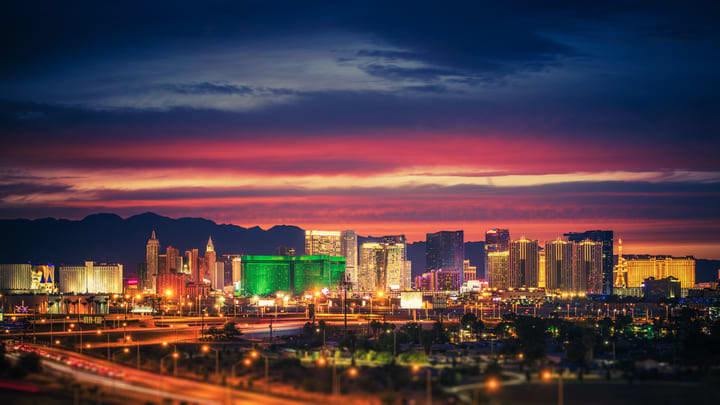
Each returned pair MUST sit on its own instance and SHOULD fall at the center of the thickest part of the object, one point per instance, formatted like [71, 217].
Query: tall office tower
[210, 259]
[523, 263]
[371, 266]
[162, 265]
[396, 277]
[469, 272]
[218, 276]
[236, 270]
[642, 267]
[408, 275]
[349, 249]
[587, 267]
[141, 275]
[323, 243]
[91, 279]
[541, 267]
[497, 240]
[151, 258]
[606, 237]
[192, 259]
[497, 273]
[445, 250]
[174, 260]
[559, 265]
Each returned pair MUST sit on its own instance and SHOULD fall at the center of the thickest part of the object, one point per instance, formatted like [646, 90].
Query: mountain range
[110, 238]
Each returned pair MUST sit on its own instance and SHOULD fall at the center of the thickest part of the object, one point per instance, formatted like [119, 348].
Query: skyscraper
[210, 259]
[523, 263]
[349, 248]
[606, 237]
[174, 260]
[497, 240]
[497, 273]
[192, 258]
[152, 250]
[384, 265]
[445, 250]
[372, 264]
[587, 267]
[541, 267]
[323, 243]
[559, 265]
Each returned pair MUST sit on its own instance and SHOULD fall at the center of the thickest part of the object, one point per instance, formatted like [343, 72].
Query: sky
[383, 117]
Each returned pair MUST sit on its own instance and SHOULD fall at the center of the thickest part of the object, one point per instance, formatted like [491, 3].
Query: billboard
[411, 300]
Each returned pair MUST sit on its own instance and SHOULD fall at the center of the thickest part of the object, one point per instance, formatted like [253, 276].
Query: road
[138, 385]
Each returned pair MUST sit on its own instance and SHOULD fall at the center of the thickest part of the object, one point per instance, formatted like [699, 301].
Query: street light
[205, 349]
[255, 354]
[99, 332]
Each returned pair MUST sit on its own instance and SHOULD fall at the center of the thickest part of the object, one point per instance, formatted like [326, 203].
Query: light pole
[206, 348]
[547, 376]
[99, 332]
[175, 356]
[255, 354]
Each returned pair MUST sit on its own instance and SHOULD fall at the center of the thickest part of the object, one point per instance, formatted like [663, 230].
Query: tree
[350, 343]
[375, 325]
[231, 331]
[468, 320]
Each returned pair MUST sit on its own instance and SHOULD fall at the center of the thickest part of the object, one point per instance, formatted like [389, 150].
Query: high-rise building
[91, 278]
[174, 260]
[384, 265]
[606, 237]
[192, 258]
[559, 265]
[541, 268]
[349, 249]
[264, 275]
[469, 272]
[445, 250]
[371, 274]
[218, 276]
[396, 266]
[152, 250]
[162, 264]
[497, 240]
[641, 267]
[587, 267]
[210, 260]
[233, 269]
[523, 263]
[323, 243]
[498, 268]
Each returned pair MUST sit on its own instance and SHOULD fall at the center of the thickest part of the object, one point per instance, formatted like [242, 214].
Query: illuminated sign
[411, 300]
[131, 281]
[266, 303]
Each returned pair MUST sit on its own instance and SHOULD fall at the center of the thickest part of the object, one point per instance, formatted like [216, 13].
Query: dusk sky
[383, 117]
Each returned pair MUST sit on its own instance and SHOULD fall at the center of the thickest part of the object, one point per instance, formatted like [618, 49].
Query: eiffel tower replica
[620, 268]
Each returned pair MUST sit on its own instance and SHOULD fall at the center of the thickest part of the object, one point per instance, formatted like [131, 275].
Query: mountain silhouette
[110, 238]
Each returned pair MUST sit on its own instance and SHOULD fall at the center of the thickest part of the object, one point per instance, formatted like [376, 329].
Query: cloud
[206, 88]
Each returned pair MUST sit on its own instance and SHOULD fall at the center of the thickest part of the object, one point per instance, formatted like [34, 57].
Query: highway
[132, 385]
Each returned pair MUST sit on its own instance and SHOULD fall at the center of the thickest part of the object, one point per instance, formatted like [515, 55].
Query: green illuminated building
[264, 275]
